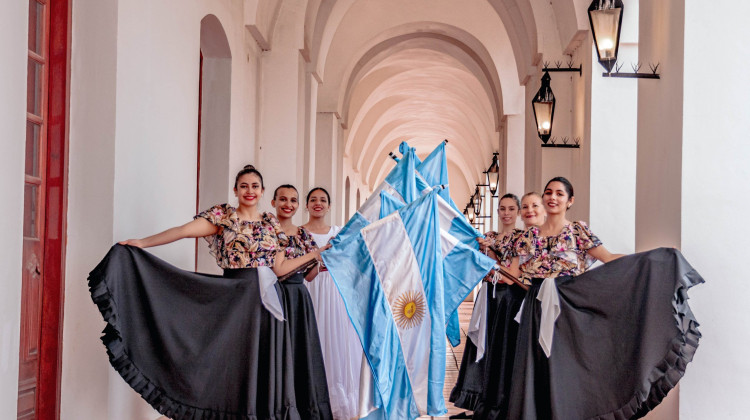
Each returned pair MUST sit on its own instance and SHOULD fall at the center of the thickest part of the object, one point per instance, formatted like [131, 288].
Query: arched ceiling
[427, 70]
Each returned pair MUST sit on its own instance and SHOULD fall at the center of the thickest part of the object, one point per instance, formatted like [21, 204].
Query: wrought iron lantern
[544, 109]
[471, 213]
[476, 201]
[493, 175]
[605, 18]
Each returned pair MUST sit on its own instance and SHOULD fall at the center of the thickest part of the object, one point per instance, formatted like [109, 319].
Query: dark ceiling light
[493, 175]
[476, 200]
[544, 109]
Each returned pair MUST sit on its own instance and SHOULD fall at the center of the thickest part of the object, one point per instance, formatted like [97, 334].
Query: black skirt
[623, 339]
[310, 384]
[470, 381]
[194, 346]
[500, 354]
[489, 374]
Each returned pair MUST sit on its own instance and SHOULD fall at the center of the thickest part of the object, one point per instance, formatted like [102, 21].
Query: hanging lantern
[544, 108]
[493, 175]
[477, 202]
[471, 213]
[605, 18]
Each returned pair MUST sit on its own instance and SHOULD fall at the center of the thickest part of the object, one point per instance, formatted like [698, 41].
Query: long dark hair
[248, 169]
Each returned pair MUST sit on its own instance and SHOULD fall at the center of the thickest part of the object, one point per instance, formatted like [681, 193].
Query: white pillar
[613, 143]
[659, 155]
[327, 160]
[281, 154]
[715, 195]
[513, 158]
[659, 167]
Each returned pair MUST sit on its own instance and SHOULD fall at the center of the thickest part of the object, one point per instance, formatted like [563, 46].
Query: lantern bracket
[636, 72]
[566, 144]
[558, 67]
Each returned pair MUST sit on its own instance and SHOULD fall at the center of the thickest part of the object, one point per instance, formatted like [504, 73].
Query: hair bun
[248, 167]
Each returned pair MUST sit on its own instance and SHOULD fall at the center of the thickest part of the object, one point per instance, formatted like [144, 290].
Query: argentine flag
[402, 184]
[390, 275]
[408, 180]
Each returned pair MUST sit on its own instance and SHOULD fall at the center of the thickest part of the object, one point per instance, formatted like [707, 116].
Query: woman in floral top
[606, 343]
[503, 304]
[310, 384]
[204, 346]
[557, 248]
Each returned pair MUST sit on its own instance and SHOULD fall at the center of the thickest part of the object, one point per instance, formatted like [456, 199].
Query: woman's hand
[318, 257]
[133, 242]
[484, 244]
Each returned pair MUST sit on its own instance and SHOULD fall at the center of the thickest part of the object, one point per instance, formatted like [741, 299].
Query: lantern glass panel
[606, 25]
[543, 113]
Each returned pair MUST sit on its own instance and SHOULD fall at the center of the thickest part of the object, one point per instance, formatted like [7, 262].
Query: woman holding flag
[484, 379]
[605, 343]
[310, 386]
[342, 351]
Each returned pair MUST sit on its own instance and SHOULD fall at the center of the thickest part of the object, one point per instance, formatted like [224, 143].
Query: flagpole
[512, 278]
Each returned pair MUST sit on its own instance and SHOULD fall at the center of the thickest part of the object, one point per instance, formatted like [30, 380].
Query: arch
[347, 200]
[214, 124]
[359, 202]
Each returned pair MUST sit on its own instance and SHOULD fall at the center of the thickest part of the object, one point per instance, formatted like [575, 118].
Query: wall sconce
[544, 108]
[493, 175]
[605, 19]
[471, 214]
[476, 201]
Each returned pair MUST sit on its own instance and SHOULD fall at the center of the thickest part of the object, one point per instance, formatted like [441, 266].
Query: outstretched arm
[196, 229]
[602, 254]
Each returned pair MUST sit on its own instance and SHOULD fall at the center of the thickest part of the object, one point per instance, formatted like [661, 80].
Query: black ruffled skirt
[481, 386]
[310, 384]
[623, 339]
[500, 354]
[194, 346]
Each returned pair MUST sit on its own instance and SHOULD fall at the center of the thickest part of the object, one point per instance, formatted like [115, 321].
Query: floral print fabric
[553, 256]
[298, 245]
[242, 243]
[504, 246]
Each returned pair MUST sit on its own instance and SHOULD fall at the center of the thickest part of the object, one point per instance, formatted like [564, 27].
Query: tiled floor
[453, 361]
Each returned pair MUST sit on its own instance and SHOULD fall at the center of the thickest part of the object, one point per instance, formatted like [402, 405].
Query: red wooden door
[44, 210]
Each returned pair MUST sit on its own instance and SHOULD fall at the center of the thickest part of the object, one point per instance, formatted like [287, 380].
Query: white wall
[613, 142]
[13, 50]
[133, 133]
[715, 196]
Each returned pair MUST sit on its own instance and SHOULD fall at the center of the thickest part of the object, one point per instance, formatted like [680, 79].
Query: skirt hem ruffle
[665, 376]
[150, 392]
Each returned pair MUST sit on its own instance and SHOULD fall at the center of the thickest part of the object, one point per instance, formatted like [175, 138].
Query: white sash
[266, 281]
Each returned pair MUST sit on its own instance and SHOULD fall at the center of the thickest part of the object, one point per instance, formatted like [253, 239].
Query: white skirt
[342, 350]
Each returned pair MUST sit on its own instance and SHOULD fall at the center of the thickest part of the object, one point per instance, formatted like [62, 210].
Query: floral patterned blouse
[241, 243]
[553, 256]
[298, 245]
[504, 246]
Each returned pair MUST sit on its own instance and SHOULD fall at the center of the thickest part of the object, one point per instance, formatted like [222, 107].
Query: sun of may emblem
[409, 309]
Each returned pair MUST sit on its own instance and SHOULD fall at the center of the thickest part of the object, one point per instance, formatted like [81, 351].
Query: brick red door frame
[55, 204]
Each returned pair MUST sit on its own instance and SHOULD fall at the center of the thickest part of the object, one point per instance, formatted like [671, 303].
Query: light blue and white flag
[391, 278]
[401, 184]
[434, 169]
